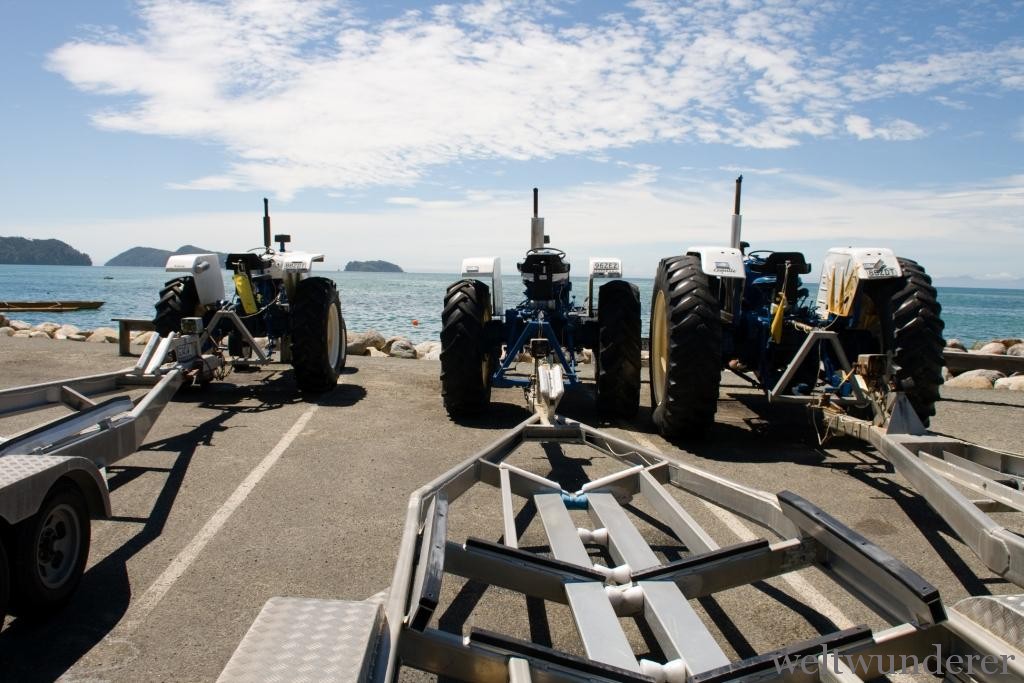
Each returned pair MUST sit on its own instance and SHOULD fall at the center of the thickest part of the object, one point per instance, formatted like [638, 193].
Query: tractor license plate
[185, 350]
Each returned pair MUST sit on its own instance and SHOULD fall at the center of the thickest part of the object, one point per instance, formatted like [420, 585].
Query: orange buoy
[415, 323]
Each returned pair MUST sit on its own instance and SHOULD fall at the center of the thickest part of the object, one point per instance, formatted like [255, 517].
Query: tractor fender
[293, 263]
[842, 271]
[487, 269]
[724, 262]
[205, 269]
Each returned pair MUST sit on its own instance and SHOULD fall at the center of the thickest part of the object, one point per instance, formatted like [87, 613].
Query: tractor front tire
[467, 360]
[319, 339]
[617, 354]
[686, 349]
[918, 342]
[178, 299]
[49, 553]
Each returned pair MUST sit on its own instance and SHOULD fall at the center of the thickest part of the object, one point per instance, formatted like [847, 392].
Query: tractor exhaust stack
[537, 238]
[737, 219]
[266, 223]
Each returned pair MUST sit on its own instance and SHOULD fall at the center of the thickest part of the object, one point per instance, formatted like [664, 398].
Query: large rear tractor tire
[49, 552]
[918, 342]
[319, 339]
[618, 349]
[178, 299]
[686, 349]
[467, 360]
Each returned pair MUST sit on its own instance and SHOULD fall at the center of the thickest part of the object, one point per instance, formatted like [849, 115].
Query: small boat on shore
[49, 306]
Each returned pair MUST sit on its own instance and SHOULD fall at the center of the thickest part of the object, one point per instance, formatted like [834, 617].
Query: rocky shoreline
[986, 378]
[373, 343]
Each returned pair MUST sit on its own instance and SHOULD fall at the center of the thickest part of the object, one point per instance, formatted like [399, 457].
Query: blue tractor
[726, 308]
[481, 341]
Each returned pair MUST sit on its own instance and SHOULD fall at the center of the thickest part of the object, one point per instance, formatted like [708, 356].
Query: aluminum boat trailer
[53, 475]
[371, 640]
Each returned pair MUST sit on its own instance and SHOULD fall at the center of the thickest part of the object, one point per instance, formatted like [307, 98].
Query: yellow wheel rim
[659, 349]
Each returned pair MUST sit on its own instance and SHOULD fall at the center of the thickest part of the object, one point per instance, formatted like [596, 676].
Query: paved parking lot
[244, 491]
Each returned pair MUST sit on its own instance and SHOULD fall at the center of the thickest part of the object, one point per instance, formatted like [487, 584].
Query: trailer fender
[26, 479]
[722, 262]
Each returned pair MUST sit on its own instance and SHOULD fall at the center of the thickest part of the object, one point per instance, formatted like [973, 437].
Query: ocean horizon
[391, 302]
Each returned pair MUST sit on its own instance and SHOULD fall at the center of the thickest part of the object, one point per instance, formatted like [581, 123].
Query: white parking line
[808, 593]
[158, 589]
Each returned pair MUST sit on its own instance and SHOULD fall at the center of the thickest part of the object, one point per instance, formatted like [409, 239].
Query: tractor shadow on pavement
[269, 392]
[876, 473]
[748, 429]
[45, 650]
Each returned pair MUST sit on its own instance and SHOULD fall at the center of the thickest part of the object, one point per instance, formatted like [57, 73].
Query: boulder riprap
[1015, 350]
[402, 348]
[7, 331]
[427, 349]
[19, 325]
[359, 343]
[955, 344]
[996, 348]
[975, 379]
[102, 335]
[38, 334]
[1015, 383]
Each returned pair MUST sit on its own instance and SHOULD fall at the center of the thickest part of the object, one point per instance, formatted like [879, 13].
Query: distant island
[148, 257]
[29, 252]
[372, 267]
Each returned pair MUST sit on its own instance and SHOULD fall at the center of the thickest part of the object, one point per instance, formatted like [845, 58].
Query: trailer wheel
[178, 299]
[686, 349]
[466, 360]
[5, 582]
[618, 352]
[49, 552]
[319, 340]
[917, 337]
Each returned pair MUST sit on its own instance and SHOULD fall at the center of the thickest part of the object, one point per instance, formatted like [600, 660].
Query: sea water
[409, 304]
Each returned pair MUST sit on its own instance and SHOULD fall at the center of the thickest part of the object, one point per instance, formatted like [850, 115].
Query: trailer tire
[686, 349]
[178, 299]
[617, 355]
[49, 552]
[917, 339]
[5, 581]
[467, 360]
[319, 340]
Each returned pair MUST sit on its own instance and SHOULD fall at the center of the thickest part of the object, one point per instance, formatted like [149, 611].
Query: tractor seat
[775, 264]
[540, 271]
[543, 263]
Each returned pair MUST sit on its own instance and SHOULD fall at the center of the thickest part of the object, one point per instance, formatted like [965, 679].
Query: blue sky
[414, 131]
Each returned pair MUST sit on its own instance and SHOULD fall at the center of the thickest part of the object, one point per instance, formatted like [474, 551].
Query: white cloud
[895, 129]
[307, 94]
[952, 230]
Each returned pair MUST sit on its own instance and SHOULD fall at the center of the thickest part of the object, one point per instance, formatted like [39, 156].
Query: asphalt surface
[244, 491]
